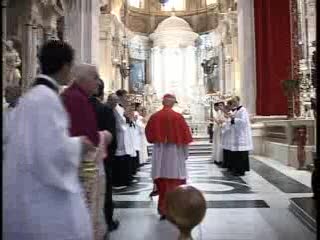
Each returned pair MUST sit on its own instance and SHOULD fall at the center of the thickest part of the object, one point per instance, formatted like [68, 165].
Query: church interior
[203, 52]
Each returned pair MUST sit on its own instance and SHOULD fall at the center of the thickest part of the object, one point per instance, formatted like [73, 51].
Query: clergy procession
[66, 151]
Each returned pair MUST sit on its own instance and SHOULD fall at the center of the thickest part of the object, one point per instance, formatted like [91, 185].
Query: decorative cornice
[141, 11]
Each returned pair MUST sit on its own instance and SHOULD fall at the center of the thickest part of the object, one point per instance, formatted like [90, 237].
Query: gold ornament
[186, 208]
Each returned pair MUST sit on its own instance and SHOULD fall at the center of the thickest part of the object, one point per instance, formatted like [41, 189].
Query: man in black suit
[106, 121]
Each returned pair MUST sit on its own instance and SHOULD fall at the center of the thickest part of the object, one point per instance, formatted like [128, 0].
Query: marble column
[105, 63]
[82, 29]
[246, 48]
[222, 72]
[229, 80]
[27, 55]
[4, 38]
[34, 51]
[311, 15]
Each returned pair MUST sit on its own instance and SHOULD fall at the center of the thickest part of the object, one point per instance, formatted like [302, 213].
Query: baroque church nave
[203, 53]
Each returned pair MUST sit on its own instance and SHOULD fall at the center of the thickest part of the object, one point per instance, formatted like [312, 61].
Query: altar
[280, 140]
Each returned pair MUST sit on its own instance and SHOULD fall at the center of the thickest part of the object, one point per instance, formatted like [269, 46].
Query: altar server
[121, 168]
[226, 135]
[42, 198]
[241, 138]
[141, 124]
[218, 121]
[170, 134]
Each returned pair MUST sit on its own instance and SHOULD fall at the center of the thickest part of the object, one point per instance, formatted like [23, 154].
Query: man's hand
[87, 145]
[108, 137]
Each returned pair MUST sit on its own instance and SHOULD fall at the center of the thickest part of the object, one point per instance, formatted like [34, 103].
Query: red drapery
[273, 54]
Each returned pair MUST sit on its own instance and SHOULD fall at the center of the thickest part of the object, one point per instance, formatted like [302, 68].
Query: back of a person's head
[121, 92]
[229, 102]
[54, 54]
[100, 91]
[236, 98]
[112, 98]
[168, 102]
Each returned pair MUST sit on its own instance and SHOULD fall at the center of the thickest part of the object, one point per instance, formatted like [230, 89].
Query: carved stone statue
[209, 68]
[149, 98]
[13, 61]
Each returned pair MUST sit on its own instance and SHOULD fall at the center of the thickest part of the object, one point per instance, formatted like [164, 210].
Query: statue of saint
[13, 61]
[210, 69]
[150, 98]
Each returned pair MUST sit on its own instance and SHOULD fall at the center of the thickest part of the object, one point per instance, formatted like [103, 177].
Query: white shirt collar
[50, 79]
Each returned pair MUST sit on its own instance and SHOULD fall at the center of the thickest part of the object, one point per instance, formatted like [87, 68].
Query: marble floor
[238, 208]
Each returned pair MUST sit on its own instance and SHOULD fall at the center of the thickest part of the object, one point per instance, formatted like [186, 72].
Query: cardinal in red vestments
[170, 135]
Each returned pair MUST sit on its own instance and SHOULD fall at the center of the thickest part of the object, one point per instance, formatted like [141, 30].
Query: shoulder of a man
[40, 94]
[242, 110]
[73, 97]
[176, 115]
[72, 93]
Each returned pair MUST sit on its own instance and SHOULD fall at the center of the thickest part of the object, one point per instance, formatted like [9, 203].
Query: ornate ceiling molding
[141, 11]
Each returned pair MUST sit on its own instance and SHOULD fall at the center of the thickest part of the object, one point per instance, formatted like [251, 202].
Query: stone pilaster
[246, 49]
[82, 29]
[4, 38]
[34, 51]
[27, 55]
[105, 56]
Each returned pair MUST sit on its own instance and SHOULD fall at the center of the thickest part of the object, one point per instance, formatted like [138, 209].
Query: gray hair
[80, 71]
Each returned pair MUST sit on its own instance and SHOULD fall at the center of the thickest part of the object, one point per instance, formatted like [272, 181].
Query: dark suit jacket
[106, 121]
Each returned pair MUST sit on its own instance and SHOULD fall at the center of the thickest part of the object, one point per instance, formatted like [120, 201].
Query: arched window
[177, 5]
[136, 3]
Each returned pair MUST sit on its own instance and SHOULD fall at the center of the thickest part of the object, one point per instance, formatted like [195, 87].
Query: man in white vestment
[141, 124]
[226, 135]
[241, 138]
[121, 169]
[218, 121]
[42, 193]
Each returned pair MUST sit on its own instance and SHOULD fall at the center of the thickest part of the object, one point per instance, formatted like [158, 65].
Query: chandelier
[163, 1]
[123, 64]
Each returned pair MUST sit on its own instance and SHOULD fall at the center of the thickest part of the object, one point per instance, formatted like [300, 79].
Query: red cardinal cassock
[168, 126]
[170, 134]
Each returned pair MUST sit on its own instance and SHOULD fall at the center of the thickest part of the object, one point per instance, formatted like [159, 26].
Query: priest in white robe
[226, 135]
[121, 169]
[241, 139]
[141, 124]
[42, 195]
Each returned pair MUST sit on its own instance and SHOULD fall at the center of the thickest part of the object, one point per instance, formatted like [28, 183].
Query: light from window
[177, 5]
[209, 2]
[136, 3]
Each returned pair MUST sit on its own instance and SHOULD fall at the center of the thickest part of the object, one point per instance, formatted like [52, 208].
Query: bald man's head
[87, 77]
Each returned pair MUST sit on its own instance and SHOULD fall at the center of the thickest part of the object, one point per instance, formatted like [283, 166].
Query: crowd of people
[231, 136]
[49, 133]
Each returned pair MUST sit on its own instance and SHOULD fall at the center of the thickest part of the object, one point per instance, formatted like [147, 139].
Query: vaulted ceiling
[199, 14]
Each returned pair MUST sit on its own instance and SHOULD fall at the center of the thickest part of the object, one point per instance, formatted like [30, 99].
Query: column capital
[4, 3]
